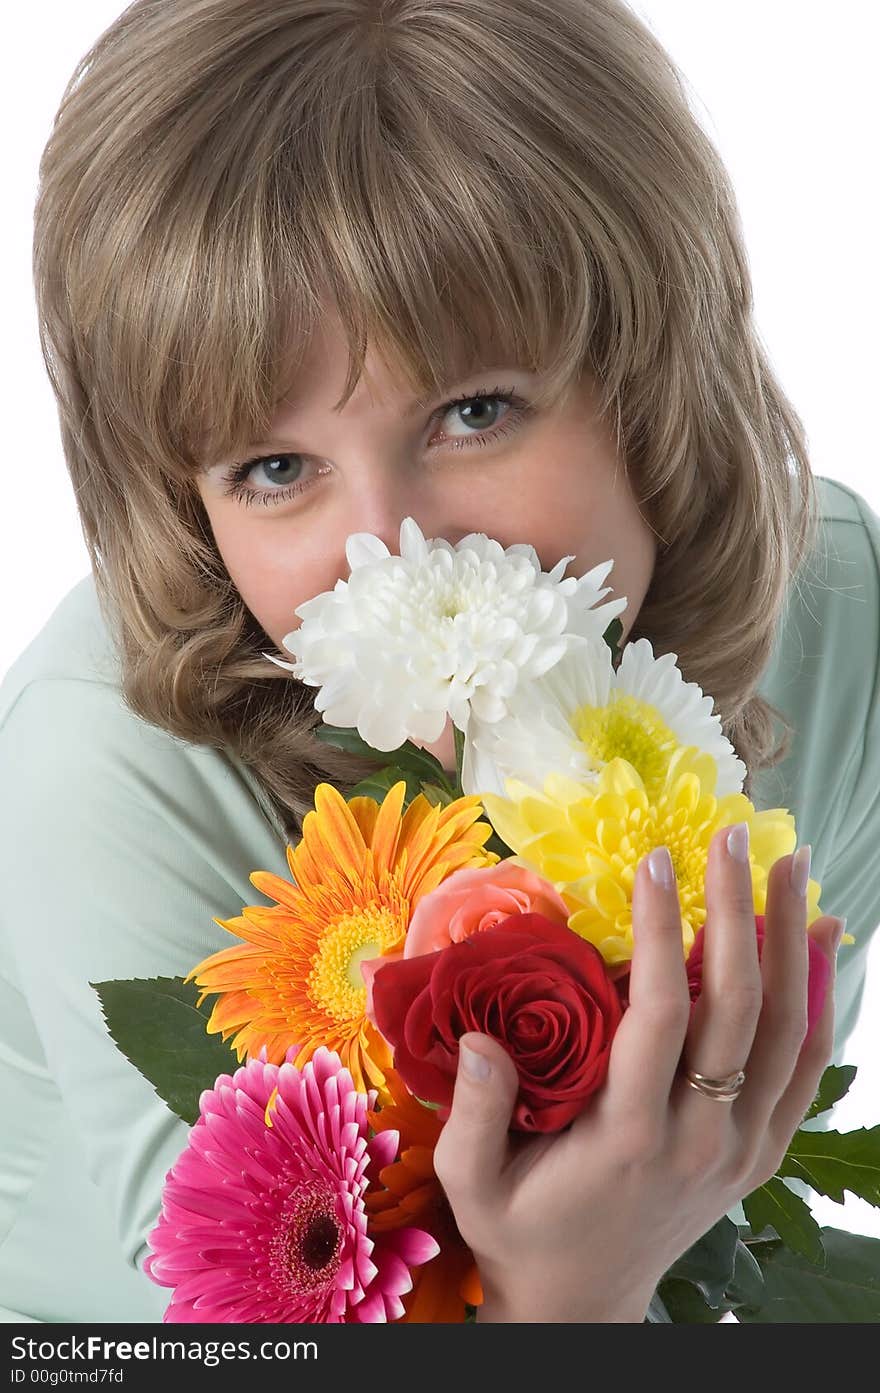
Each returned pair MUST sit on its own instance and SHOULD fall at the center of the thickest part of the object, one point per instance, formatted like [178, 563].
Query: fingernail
[738, 842]
[800, 870]
[838, 933]
[660, 867]
[476, 1066]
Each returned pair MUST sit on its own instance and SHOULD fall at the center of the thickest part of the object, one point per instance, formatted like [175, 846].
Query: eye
[479, 413]
[237, 478]
[293, 463]
[470, 410]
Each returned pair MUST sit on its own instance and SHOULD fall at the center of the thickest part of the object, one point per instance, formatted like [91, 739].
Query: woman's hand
[581, 1225]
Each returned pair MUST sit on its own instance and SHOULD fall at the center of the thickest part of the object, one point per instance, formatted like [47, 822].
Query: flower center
[335, 983]
[320, 1242]
[305, 1250]
[629, 729]
[451, 603]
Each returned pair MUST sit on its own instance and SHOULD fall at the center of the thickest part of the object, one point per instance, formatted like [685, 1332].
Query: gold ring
[722, 1090]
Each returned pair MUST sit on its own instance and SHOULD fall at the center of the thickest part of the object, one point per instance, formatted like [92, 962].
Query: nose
[384, 497]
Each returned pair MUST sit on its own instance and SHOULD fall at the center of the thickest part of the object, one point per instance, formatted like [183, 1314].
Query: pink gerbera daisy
[263, 1216]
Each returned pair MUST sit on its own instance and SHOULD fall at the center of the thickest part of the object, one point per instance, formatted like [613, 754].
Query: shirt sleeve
[852, 874]
[118, 846]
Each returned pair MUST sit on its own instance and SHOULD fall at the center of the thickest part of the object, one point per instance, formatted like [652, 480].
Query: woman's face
[551, 478]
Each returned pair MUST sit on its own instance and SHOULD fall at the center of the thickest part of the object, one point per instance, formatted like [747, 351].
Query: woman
[233, 197]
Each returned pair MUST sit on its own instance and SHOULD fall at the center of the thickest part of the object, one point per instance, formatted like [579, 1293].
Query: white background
[787, 91]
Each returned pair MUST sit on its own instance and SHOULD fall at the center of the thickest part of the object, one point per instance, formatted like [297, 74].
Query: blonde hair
[529, 169]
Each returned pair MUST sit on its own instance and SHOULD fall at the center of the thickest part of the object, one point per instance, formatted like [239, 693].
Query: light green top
[119, 844]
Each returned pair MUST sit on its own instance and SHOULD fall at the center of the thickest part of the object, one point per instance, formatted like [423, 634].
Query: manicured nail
[800, 870]
[660, 867]
[838, 933]
[738, 842]
[476, 1066]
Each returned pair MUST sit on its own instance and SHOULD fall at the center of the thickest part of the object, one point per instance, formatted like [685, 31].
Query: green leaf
[347, 739]
[746, 1288]
[689, 1298]
[834, 1085]
[684, 1305]
[378, 785]
[832, 1162]
[778, 1207]
[421, 762]
[846, 1290]
[426, 1103]
[158, 1027]
[709, 1263]
[494, 843]
[612, 637]
[436, 796]
[753, 1242]
[657, 1313]
[407, 756]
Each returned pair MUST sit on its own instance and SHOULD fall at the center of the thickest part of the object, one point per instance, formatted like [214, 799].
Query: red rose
[817, 982]
[539, 989]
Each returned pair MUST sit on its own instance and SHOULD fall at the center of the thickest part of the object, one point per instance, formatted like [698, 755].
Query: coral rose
[539, 989]
[475, 898]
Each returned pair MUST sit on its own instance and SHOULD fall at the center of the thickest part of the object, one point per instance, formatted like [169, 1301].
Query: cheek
[586, 508]
[570, 506]
[274, 571]
[557, 508]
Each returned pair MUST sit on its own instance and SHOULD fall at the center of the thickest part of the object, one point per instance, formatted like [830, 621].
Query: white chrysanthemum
[581, 714]
[438, 631]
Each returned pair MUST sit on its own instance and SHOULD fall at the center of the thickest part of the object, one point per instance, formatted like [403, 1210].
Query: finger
[723, 1021]
[783, 1022]
[815, 1053]
[472, 1149]
[646, 1048]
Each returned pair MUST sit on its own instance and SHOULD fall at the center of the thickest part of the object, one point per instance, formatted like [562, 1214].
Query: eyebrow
[414, 407]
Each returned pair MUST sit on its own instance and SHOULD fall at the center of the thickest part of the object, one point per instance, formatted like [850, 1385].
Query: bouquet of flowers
[428, 903]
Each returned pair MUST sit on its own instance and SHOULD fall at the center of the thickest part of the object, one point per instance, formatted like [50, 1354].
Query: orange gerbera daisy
[358, 873]
[414, 1196]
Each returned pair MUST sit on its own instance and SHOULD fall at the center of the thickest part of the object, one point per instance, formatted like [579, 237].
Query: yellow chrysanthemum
[358, 873]
[588, 839]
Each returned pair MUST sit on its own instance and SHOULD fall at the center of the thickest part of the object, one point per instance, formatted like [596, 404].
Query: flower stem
[458, 736]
